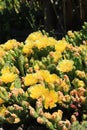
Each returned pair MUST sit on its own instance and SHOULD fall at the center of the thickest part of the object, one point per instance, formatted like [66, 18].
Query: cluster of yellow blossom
[10, 44]
[41, 75]
[46, 92]
[50, 97]
[37, 39]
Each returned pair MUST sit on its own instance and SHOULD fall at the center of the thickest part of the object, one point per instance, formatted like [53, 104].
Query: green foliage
[17, 83]
[77, 126]
[78, 36]
[21, 64]
[4, 94]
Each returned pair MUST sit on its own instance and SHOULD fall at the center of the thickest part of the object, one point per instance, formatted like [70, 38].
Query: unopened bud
[64, 128]
[73, 118]
[40, 120]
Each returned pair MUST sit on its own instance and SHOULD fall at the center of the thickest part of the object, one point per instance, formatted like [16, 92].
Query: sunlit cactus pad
[46, 80]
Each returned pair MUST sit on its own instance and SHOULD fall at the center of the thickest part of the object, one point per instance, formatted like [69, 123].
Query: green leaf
[17, 83]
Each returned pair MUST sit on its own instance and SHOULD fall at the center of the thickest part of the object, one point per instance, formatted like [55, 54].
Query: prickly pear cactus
[77, 37]
[45, 79]
[77, 126]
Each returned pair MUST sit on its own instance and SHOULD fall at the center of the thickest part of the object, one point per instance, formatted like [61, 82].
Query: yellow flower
[12, 86]
[8, 77]
[46, 76]
[42, 42]
[56, 55]
[52, 78]
[1, 101]
[37, 91]
[9, 69]
[5, 69]
[30, 79]
[10, 44]
[52, 41]
[65, 65]
[2, 111]
[2, 61]
[61, 45]
[39, 40]
[50, 99]
[36, 67]
[27, 49]
[43, 74]
[2, 52]
[34, 36]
